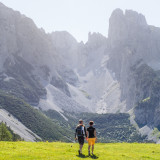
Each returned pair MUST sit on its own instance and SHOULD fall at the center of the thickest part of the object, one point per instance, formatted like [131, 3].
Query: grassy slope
[61, 151]
[34, 119]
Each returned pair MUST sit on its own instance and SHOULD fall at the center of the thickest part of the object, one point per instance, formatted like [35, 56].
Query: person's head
[91, 123]
[81, 121]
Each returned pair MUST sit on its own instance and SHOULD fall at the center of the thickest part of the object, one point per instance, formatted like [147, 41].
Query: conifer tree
[5, 134]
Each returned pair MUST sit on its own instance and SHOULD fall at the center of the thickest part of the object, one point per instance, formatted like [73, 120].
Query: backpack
[80, 130]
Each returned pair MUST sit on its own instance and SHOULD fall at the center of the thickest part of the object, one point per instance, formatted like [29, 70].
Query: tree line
[6, 134]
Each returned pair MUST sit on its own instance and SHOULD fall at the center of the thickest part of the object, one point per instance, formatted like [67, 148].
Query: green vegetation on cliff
[147, 109]
[110, 127]
[6, 134]
[34, 119]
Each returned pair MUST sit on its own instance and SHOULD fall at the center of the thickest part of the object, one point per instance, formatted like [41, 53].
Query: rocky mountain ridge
[104, 75]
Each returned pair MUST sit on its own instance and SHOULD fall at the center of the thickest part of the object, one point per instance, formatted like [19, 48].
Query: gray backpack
[80, 130]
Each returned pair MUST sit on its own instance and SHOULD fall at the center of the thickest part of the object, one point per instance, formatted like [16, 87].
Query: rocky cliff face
[134, 55]
[105, 75]
[131, 43]
[29, 60]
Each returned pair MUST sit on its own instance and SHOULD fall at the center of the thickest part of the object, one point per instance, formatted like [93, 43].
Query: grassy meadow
[68, 151]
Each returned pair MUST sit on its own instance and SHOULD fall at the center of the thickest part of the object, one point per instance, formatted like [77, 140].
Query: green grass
[68, 151]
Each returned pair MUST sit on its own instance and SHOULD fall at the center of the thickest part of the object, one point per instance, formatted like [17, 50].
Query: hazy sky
[81, 16]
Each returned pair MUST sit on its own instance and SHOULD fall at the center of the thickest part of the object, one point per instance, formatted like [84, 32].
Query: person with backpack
[79, 134]
[91, 137]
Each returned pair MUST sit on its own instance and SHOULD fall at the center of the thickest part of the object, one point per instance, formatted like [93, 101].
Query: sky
[79, 17]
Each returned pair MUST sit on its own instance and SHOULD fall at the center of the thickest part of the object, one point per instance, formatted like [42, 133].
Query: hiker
[80, 133]
[91, 137]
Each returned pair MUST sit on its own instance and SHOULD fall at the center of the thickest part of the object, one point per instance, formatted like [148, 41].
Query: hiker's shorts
[91, 141]
[81, 140]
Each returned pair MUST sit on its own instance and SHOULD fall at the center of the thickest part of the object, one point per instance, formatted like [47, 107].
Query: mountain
[132, 45]
[30, 69]
[118, 73]
[48, 81]
[134, 48]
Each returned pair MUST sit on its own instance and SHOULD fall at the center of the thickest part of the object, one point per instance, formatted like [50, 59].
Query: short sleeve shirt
[91, 132]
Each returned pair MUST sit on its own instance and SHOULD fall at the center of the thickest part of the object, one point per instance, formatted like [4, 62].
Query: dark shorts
[81, 140]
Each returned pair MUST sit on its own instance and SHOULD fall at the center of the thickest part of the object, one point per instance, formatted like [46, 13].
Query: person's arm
[85, 132]
[76, 134]
[87, 135]
[95, 134]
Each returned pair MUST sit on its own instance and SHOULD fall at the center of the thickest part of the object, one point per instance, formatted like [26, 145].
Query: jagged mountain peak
[96, 38]
[129, 15]
[125, 25]
[135, 17]
[117, 12]
[54, 71]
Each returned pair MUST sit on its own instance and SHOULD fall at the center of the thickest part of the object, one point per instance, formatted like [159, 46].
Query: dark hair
[91, 123]
[80, 121]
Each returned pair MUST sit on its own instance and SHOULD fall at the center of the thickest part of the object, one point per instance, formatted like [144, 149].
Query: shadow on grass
[84, 156]
[94, 156]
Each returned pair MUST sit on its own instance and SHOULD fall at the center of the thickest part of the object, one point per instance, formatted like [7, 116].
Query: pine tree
[5, 134]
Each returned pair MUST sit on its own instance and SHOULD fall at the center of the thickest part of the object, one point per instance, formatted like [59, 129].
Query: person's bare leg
[89, 149]
[92, 148]
[81, 146]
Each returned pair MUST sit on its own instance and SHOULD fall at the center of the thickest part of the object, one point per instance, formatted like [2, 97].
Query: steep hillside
[147, 110]
[7, 134]
[134, 55]
[29, 60]
[110, 127]
[17, 127]
[114, 127]
[17, 79]
[132, 43]
[55, 74]
[34, 119]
